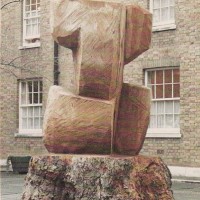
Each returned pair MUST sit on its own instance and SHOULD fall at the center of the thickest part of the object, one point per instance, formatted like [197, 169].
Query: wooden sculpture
[104, 115]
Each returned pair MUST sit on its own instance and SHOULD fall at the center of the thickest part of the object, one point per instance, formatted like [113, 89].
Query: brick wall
[28, 63]
[179, 47]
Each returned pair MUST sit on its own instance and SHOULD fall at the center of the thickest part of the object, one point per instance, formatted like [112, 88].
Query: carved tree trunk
[74, 177]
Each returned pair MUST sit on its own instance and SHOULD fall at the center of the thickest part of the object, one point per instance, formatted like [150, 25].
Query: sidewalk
[186, 190]
[12, 187]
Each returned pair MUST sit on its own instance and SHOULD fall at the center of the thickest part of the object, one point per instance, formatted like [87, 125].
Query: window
[165, 107]
[30, 107]
[31, 22]
[163, 14]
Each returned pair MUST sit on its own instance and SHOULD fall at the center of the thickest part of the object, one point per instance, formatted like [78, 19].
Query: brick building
[171, 67]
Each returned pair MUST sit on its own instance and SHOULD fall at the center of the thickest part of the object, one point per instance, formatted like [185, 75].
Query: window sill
[163, 27]
[163, 133]
[29, 46]
[28, 135]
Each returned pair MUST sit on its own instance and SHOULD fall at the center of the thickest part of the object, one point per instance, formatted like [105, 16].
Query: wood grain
[133, 119]
[92, 30]
[138, 32]
[103, 36]
[74, 124]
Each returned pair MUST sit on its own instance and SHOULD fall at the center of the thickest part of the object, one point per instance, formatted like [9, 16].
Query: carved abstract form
[133, 118]
[103, 37]
[77, 124]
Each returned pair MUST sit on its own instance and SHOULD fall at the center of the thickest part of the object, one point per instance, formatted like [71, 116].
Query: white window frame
[162, 132]
[27, 39]
[163, 25]
[27, 132]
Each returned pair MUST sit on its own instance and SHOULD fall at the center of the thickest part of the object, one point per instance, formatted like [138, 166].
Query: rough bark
[82, 177]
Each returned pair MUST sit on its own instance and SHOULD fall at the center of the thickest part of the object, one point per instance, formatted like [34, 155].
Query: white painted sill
[163, 133]
[29, 46]
[190, 172]
[29, 134]
[164, 27]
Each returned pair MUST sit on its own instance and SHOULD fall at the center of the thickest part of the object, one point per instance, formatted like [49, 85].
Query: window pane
[35, 86]
[38, 27]
[152, 121]
[176, 121]
[41, 122]
[36, 111]
[164, 113]
[23, 99]
[153, 108]
[156, 4]
[38, 6]
[176, 90]
[30, 89]
[30, 123]
[40, 98]
[23, 93]
[35, 98]
[31, 116]
[34, 29]
[28, 8]
[30, 100]
[24, 123]
[159, 77]
[159, 91]
[171, 2]
[176, 107]
[27, 16]
[23, 87]
[41, 86]
[24, 112]
[164, 3]
[151, 75]
[27, 2]
[160, 107]
[164, 14]
[33, 7]
[28, 30]
[160, 121]
[156, 15]
[176, 75]
[152, 87]
[33, 14]
[36, 123]
[168, 91]
[168, 76]
[169, 107]
[169, 121]
[171, 15]
[28, 22]
[30, 111]
[41, 114]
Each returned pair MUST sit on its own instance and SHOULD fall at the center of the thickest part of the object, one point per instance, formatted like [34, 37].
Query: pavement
[12, 187]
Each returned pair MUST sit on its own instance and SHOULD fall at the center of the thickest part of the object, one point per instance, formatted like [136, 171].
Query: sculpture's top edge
[123, 2]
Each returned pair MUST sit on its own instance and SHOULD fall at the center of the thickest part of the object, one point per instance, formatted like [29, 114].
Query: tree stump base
[94, 177]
